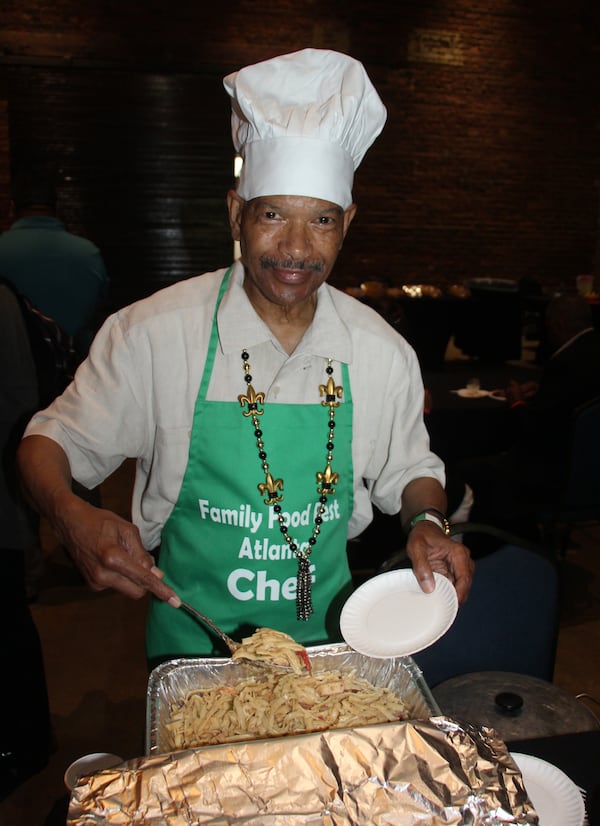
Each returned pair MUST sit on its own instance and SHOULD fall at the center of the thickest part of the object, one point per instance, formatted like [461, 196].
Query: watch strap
[432, 515]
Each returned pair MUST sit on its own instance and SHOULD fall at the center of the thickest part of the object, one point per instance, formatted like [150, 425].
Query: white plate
[555, 798]
[465, 393]
[89, 764]
[390, 616]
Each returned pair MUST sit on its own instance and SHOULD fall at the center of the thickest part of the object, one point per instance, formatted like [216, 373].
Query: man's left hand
[431, 551]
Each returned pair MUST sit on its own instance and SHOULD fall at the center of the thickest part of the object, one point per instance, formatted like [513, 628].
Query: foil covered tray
[170, 683]
[410, 773]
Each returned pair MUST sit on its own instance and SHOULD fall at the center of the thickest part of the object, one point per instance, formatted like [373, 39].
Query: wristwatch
[431, 515]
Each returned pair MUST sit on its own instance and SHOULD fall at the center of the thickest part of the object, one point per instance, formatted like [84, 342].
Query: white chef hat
[302, 123]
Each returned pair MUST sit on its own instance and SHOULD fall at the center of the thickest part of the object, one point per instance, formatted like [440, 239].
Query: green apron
[222, 549]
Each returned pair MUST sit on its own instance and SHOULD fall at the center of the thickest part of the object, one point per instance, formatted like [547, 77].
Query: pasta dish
[274, 647]
[280, 703]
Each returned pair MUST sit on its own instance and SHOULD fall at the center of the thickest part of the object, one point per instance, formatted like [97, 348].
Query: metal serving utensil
[232, 645]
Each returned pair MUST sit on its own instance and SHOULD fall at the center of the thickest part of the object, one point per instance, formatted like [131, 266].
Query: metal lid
[517, 706]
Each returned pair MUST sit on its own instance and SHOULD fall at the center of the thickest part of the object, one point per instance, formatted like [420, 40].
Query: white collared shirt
[135, 394]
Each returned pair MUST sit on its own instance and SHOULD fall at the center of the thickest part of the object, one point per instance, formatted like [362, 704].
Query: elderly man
[267, 410]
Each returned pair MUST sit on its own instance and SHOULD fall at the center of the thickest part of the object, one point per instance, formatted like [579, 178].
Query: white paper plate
[467, 393]
[556, 799]
[89, 764]
[390, 616]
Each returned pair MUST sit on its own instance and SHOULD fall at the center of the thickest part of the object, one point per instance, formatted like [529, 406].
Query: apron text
[244, 585]
[242, 517]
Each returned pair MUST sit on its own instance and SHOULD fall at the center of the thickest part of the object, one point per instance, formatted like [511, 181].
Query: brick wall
[488, 165]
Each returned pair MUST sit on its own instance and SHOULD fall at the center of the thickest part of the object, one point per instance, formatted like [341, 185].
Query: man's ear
[235, 206]
[349, 217]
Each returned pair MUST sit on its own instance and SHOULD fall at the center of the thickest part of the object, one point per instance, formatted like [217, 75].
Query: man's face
[289, 245]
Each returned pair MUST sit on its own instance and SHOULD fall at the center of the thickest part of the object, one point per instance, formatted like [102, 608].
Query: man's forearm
[46, 476]
[106, 548]
[421, 494]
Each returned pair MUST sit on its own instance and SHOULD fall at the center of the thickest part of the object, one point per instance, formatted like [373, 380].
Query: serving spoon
[232, 645]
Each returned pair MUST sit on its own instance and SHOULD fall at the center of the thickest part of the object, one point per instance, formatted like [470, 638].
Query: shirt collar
[240, 326]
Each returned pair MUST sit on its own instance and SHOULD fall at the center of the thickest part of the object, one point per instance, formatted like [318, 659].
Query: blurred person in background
[25, 736]
[61, 282]
[62, 274]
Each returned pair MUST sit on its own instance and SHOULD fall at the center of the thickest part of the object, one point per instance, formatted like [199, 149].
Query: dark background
[488, 165]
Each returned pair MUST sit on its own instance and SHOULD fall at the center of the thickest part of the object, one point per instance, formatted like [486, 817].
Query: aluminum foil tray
[171, 681]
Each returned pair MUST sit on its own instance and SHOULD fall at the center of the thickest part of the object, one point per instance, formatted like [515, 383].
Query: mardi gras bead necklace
[272, 489]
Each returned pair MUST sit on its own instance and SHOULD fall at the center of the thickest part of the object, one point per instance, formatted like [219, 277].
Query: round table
[517, 706]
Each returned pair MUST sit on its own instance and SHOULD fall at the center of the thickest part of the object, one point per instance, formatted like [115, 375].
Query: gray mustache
[290, 264]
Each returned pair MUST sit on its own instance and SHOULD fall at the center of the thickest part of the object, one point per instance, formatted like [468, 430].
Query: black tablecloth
[462, 428]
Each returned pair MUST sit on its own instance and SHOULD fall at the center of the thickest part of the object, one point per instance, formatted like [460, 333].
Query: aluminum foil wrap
[417, 773]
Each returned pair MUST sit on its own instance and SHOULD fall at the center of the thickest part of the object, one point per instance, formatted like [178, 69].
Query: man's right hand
[108, 551]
